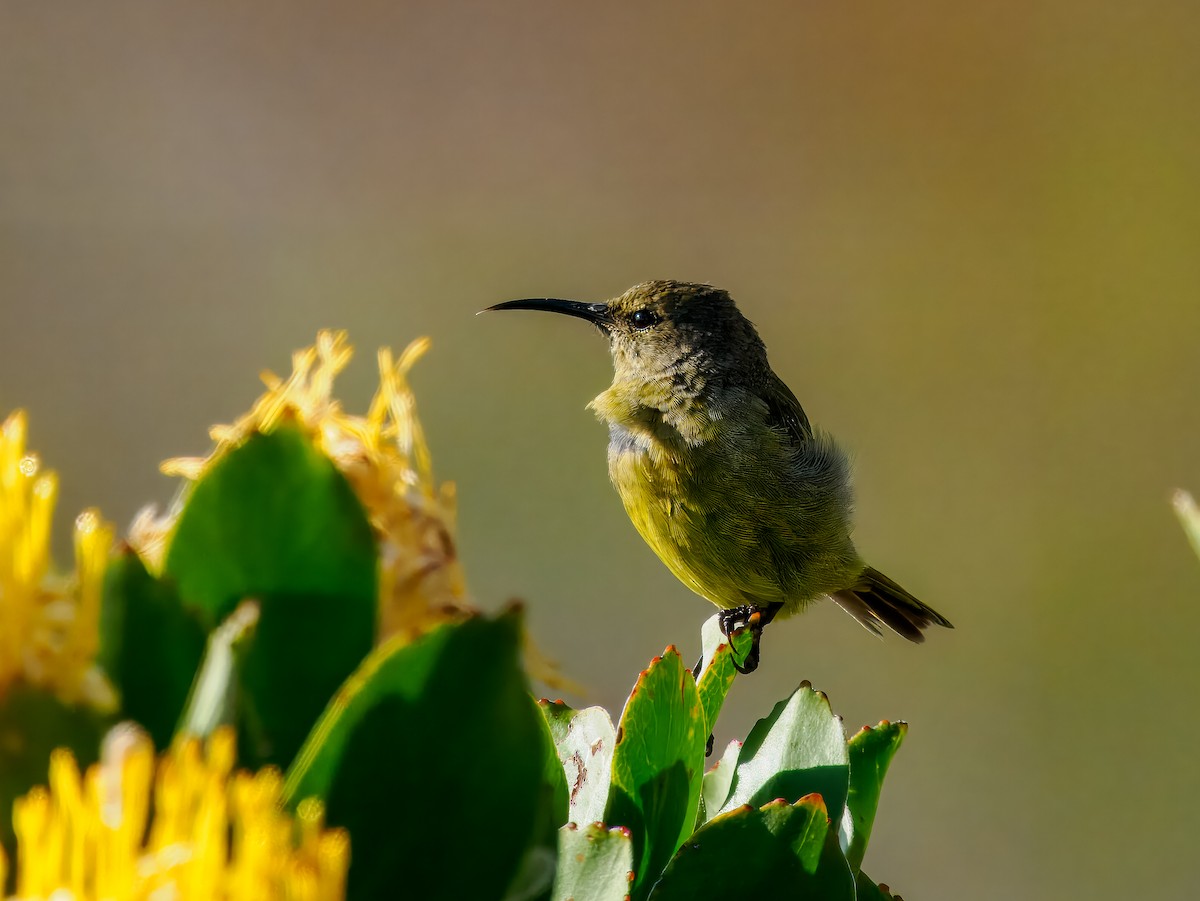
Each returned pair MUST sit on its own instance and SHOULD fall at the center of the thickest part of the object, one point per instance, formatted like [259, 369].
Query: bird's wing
[784, 411]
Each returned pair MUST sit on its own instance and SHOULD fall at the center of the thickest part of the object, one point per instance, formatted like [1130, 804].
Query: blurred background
[968, 233]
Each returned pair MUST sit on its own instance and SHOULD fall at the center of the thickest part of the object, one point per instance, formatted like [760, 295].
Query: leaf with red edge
[584, 741]
[800, 748]
[595, 863]
[657, 766]
[779, 850]
[871, 751]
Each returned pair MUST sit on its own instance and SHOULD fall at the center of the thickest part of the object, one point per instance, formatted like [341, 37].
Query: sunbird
[720, 470]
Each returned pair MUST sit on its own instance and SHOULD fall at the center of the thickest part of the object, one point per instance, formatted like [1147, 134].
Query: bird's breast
[698, 518]
[731, 517]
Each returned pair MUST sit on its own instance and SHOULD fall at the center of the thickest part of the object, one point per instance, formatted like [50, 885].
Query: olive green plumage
[718, 466]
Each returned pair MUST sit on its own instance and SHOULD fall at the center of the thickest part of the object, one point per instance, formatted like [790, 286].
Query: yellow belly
[706, 532]
[735, 510]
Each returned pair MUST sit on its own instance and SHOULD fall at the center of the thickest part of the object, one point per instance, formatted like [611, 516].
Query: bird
[721, 471]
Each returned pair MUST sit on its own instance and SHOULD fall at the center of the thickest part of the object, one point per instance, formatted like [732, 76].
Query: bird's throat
[643, 414]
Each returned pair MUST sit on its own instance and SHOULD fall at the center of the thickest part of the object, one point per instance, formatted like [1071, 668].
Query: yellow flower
[49, 624]
[212, 835]
[386, 460]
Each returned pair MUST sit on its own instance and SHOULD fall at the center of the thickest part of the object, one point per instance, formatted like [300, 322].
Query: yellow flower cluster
[386, 460]
[214, 835]
[49, 624]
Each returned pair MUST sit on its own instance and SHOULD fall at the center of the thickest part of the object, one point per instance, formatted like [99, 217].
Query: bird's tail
[877, 599]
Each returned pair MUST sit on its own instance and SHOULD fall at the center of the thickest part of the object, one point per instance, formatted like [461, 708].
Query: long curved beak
[596, 313]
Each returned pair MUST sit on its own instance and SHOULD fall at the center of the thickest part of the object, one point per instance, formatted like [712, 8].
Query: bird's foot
[750, 617]
[734, 618]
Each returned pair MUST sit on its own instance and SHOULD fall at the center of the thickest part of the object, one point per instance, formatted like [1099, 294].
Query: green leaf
[558, 717]
[869, 891]
[433, 756]
[717, 782]
[150, 646]
[274, 521]
[274, 518]
[1189, 517]
[554, 784]
[294, 661]
[657, 765]
[799, 749]
[779, 850]
[535, 877]
[213, 699]
[584, 749]
[871, 751]
[594, 863]
[716, 668]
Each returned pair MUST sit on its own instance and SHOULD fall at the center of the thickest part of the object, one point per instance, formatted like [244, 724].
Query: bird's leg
[769, 611]
[755, 619]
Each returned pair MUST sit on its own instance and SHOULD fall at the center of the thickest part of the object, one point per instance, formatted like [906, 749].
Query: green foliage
[871, 752]
[657, 765]
[213, 700]
[451, 781]
[275, 522]
[150, 645]
[761, 852]
[274, 519]
[435, 747]
[594, 863]
[798, 749]
[787, 813]
[717, 669]
[717, 783]
[584, 741]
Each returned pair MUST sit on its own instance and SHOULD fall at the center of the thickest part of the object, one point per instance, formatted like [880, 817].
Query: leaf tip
[814, 800]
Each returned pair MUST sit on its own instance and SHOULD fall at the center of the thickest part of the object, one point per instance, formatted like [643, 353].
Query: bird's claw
[749, 617]
[745, 617]
[734, 618]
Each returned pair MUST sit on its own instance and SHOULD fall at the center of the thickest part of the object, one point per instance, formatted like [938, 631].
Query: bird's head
[664, 329]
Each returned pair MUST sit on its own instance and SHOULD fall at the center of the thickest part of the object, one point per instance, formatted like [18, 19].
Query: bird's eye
[643, 319]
